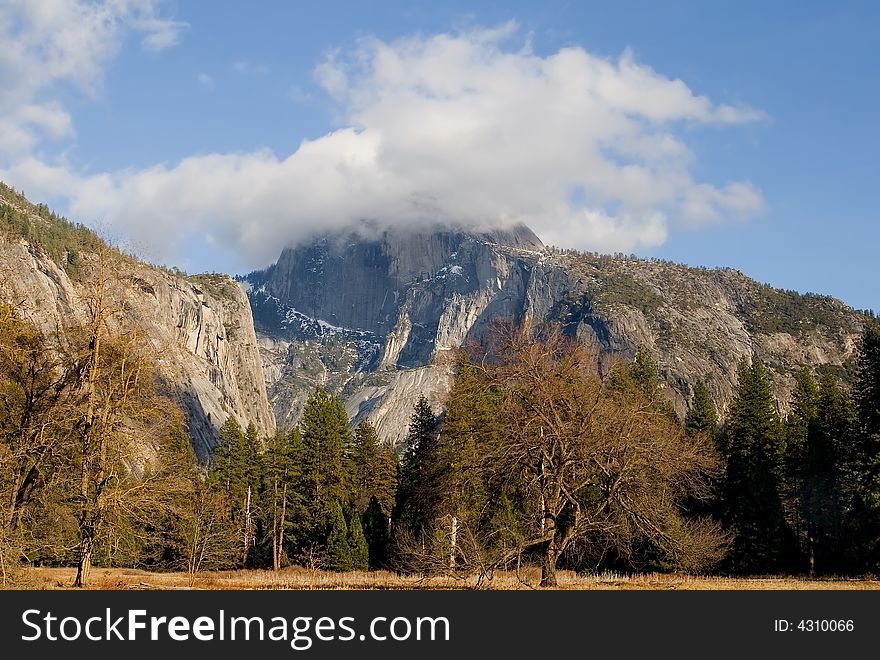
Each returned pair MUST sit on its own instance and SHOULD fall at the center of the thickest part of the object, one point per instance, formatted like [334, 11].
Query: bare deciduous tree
[116, 379]
[593, 462]
[35, 402]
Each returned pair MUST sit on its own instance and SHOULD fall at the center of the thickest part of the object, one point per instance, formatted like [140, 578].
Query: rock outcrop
[200, 327]
[376, 316]
[375, 319]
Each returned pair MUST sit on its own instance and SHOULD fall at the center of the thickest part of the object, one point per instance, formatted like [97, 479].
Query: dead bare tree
[600, 462]
[208, 534]
[34, 413]
[115, 368]
[587, 460]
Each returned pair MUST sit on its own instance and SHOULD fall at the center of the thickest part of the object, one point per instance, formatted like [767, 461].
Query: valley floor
[300, 578]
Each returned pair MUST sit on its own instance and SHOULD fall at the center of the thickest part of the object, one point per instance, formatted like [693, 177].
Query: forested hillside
[558, 439]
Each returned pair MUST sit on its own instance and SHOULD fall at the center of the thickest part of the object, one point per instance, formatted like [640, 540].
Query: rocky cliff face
[375, 319]
[201, 327]
[698, 323]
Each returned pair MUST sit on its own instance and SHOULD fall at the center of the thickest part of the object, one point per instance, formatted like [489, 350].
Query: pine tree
[804, 409]
[417, 490]
[235, 471]
[385, 483]
[644, 371]
[827, 488]
[702, 420]
[801, 419]
[327, 465]
[254, 467]
[865, 515]
[359, 557]
[338, 550]
[253, 450]
[230, 467]
[328, 476]
[701, 417]
[282, 492]
[376, 532]
[468, 498]
[641, 378]
[753, 446]
[375, 468]
[867, 390]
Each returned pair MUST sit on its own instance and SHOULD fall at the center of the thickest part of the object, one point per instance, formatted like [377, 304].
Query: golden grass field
[301, 578]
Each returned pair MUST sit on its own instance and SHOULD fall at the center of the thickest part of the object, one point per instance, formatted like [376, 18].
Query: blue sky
[179, 121]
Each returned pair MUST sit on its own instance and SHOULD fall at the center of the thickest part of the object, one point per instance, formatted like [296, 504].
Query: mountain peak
[376, 316]
[358, 279]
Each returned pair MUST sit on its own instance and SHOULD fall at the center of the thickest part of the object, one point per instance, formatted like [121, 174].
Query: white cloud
[50, 117]
[459, 128]
[331, 76]
[702, 202]
[159, 33]
[206, 81]
[54, 43]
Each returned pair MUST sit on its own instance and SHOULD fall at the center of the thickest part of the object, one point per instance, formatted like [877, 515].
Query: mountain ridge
[375, 317]
[696, 322]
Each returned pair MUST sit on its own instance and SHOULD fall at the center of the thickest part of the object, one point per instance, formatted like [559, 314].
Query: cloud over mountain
[471, 127]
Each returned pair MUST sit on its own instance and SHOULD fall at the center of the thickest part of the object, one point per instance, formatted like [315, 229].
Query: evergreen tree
[753, 446]
[385, 482]
[282, 492]
[327, 443]
[867, 390]
[418, 489]
[235, 472]
[327, 465]
[804, 410]
[645, 373]
[702, 420]
[375, 530]
[469, 499]
[175, 471]
[375, 468]
[230, 466]
[866, 456]
[701, 417]
[358, 552]
[177, 448]
[826, 477]
[641, 379]
[801, 419]
[253, 450]
[338, 551]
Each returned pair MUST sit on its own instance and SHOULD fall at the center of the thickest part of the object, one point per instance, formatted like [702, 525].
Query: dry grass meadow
[301, 578]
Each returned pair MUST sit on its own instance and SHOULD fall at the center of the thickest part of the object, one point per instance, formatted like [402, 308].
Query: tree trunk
[275, 562]
[549, 555]
[453, 542]
[279, 515]
[88, 519]
[281, 526]
[193, 551]
[84, 566]
[9, 522]
[247, 527]
[20, 496]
